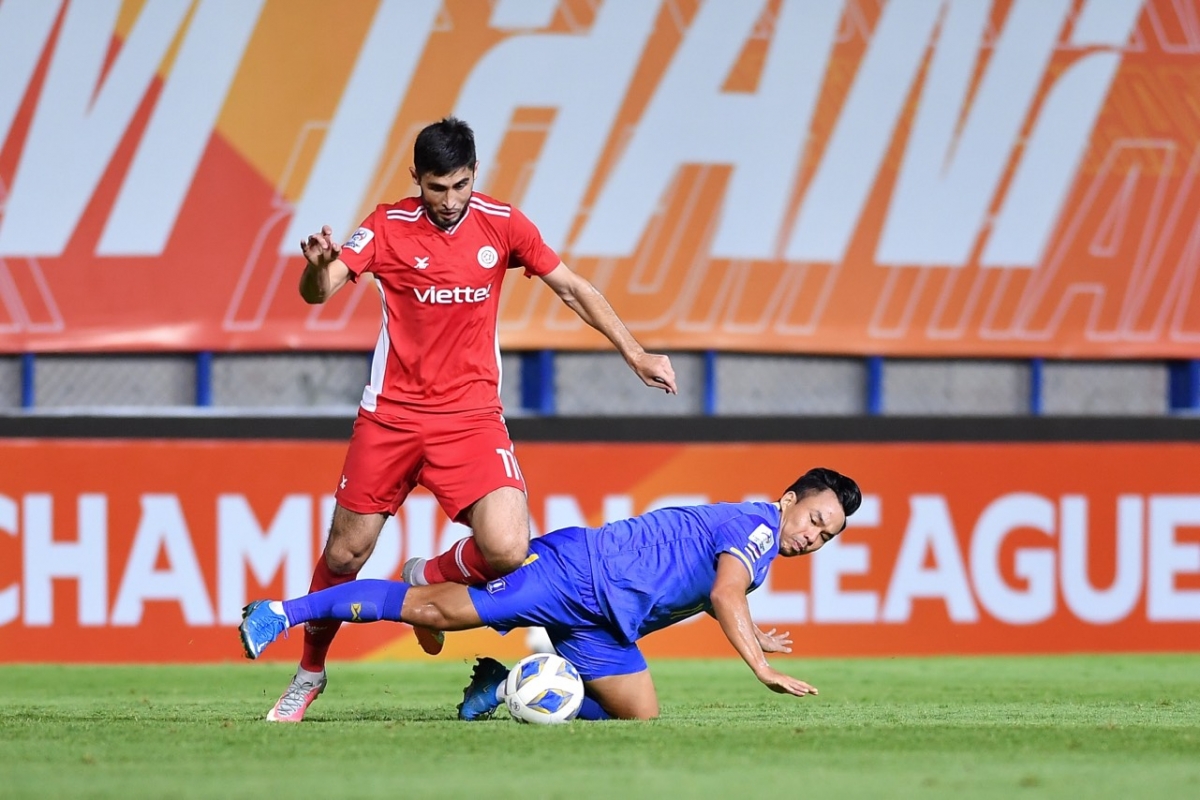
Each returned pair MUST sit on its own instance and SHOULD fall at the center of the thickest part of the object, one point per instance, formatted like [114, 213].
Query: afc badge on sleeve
[359, 240]
[760, 541]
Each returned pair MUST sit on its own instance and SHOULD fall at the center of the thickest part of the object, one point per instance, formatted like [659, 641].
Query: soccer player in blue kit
[597, 591]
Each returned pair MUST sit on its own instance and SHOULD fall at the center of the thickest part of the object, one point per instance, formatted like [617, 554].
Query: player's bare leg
[505, 550]
[445, 606]
[500, 523]
[625, 696]
[431, 641]
[350, 545]
[499, 544]
[352, 539]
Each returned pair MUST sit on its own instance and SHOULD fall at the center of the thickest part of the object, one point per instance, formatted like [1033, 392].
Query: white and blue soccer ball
[544, 689]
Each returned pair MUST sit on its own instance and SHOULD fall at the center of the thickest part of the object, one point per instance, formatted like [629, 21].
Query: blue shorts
[554, 590]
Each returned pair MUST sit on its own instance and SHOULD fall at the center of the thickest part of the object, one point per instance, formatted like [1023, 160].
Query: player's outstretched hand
[772, 642]
[320, 250]
[656, 372]
[784, 684]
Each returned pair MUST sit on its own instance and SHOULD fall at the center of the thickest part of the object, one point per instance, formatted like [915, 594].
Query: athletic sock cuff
[393, 601]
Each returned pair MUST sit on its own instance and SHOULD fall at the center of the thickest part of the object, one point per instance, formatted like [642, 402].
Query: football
[544, 689]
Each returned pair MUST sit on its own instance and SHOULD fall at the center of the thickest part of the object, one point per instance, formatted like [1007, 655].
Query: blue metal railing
[204, 362]
[537, 381]
[538, 390]
[28, 380]
[1184, 385]
[1036, 369]
[709, 389]
[874, 388]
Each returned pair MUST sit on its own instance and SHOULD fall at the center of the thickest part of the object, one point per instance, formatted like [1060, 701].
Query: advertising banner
[122, 551]
[893, 177]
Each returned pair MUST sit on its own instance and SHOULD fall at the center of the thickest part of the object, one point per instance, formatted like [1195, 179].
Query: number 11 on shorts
[510, 463]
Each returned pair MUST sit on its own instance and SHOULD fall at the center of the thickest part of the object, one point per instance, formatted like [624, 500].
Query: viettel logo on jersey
[457, 294]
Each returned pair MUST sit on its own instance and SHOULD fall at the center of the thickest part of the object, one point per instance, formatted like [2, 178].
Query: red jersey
[438, 348]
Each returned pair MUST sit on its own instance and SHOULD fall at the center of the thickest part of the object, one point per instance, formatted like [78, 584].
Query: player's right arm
[732, 611]
[770, 641]
[324, 272]
[531, 252]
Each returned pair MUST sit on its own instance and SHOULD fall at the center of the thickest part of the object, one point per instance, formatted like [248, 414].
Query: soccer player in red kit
[431, 413]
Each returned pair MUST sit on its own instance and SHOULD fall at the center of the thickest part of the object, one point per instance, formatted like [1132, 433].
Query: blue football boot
[481, 698]
[260, 626]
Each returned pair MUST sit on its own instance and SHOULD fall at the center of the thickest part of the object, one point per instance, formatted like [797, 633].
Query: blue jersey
[658, 568]
[598, 590]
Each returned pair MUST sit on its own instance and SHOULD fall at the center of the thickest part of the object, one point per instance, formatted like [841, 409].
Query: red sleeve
[527, 248]
[358, 252]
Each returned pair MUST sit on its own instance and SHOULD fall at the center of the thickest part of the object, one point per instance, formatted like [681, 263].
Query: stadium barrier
[139, 540]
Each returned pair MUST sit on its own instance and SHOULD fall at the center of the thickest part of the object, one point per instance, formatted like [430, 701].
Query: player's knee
[645, 711]
[507, 558]
[632, 706]
[637, 713]
[352, 537]
[343, 560]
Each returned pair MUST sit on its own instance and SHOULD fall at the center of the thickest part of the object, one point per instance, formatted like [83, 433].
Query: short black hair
[444, 147]
[818, 479]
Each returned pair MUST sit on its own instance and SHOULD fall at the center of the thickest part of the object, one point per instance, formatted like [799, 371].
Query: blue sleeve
[748, 538]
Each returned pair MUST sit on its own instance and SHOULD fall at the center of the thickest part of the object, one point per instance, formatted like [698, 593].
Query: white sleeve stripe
[746, 561]
[487, 208]
[497, 206]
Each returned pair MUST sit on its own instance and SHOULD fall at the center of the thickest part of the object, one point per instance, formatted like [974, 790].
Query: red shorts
[460, 458]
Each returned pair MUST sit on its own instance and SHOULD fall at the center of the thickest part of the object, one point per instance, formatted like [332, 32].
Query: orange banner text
[848, 176]
[147, 551]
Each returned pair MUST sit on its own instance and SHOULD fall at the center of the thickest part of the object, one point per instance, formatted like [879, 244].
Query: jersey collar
[448, 231]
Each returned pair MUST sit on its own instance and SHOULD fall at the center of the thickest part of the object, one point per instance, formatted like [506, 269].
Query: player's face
[446, 196]
[807, 523]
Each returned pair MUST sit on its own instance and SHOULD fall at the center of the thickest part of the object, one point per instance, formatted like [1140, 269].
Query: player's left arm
[732, 611]
[586, 300]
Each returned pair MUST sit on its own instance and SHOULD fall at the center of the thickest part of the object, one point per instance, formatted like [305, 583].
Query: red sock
[462, 563]
[319, 635]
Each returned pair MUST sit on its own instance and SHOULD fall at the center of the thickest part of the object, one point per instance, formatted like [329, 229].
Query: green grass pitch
[1079, 726]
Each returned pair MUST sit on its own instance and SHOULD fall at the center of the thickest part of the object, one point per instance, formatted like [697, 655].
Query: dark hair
[818, 479]
[444, 147]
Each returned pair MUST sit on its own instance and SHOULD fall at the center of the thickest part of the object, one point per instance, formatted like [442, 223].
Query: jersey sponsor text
[458, 294]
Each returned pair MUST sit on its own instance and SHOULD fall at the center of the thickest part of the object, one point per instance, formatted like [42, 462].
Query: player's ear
[413, 171]
[789, 498]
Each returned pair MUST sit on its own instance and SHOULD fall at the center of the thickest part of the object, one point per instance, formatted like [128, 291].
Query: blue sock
[591, 710]
[354, 601]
